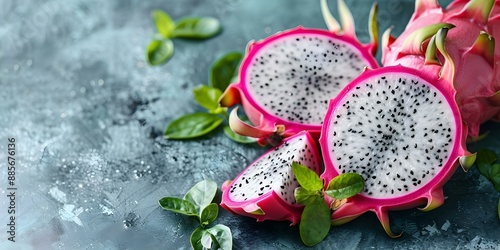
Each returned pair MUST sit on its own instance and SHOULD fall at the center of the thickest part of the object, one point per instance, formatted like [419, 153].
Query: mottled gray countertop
[88, 113]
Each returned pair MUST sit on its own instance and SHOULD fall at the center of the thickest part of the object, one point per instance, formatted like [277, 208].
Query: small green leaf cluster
[161, 48]
[316, 218]
[198, 203]
[488, 166]
[222, 73]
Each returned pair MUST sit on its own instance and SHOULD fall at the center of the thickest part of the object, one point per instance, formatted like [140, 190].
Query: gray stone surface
[88, 113]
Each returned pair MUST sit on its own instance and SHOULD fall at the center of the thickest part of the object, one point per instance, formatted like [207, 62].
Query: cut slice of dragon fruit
[401, 131]
[286, 80]
[265, 189]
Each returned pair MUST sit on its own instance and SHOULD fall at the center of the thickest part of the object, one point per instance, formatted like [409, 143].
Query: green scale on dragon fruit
[287, 79]
[265, 189]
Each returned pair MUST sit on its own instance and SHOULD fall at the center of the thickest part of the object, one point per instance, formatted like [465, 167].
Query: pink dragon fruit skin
[271, 175]
[273, 118]
[430, 193]
[477, 78]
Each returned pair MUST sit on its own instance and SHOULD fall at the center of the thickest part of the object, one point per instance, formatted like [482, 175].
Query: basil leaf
[201, 194]
[209, 214]
[206, 240]
[192, 126]
[305, 197]
[197, 28]
[178, 205]
[315, 223]
[159, 51]
[196, 238]
[307, 178]
[236, 137]
[224, 69]
[222, 236]
[164, 23]
[207, 97]
[484, 159]
[345, 186]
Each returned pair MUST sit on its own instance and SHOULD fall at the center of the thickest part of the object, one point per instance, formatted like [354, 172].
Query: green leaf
[236, 137]
[345, 186]
[207, 97]
[223, 71]
[495, 176]
[305, 197]
[307, 178]
[315, 223]
[192, 126]
[159, 51]
[178, 205]
[197, 28]
[164, 23]
[484, 159]
[209, 214]
[206, 240]
[222, 236]
[201, 194]
[198, 238]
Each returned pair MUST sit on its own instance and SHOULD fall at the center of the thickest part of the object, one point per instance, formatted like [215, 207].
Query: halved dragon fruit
[286, 80]
[401, 129]
[265, 189]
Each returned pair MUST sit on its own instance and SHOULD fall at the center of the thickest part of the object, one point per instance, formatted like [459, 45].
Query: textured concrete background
[88, 114]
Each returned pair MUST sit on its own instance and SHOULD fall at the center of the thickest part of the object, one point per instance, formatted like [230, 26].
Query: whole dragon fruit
[287, 79]
[471, 45]
[265, 189]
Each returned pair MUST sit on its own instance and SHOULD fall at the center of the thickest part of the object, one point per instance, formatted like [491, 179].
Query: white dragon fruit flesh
[265, 189]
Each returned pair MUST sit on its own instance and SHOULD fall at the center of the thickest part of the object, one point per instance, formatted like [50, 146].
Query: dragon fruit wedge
[401, 129]
[471, 45]
[265, 189]
[287, 79]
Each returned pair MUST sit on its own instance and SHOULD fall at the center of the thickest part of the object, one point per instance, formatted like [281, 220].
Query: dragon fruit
[401, 129]
[287, 79]
[265, 189]
[471, 45]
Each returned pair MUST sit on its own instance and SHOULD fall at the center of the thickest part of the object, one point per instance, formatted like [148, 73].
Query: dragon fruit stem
[373, 29]
[422, 6]
[346, 20]
[413, 43]
[332, 23]
[485, 47]
[478, 10]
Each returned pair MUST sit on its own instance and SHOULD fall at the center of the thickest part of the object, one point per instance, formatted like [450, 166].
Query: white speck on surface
[58, 195]
[482, 243]
[446, 225]
[106, 210]
[431, 230]
[69, 213]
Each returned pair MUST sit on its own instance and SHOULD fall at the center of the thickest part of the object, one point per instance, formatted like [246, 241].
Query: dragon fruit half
[438, 84]
[265, 189]
[402, 132]
[286, 80]
[471, 45]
